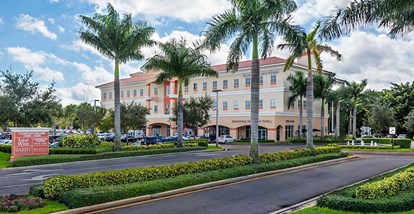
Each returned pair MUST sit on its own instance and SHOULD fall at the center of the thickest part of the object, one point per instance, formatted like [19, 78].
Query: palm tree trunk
[301, 117]
[323, 120]
[117, 112]
[354, 123]
[350, 122]
[309, 106]
[254, 97]
[338, 114]
[180, 118]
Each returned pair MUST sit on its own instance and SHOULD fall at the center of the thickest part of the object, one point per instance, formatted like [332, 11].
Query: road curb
[113, 204]
[379, 153]
[312, 202]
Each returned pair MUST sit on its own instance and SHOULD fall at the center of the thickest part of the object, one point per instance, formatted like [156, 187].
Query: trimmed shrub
[403, 143]
[316, 140]
[5, 148]
[80, 141]
[96, 195]
[378, 140]
[389, 186]
[79, 150]
[272, 157]
[37, 190]
[370, 147]
[49, 159]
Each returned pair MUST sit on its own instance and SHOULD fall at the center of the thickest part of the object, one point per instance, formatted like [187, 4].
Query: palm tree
[355, 91]
[298, 89]
[252, 24]
[337, 96]
[323, 88]
[181, 62]
[119, 40]
[299, 44]
[397, 15]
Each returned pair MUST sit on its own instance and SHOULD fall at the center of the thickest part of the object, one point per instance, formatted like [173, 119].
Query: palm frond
[329, 50]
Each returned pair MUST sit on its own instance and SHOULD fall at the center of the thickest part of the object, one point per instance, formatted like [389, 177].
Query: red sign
[27, 142]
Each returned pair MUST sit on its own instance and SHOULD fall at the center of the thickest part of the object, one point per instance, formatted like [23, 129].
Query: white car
[225, 139]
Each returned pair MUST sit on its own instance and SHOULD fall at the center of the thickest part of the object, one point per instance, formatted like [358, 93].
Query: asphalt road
[19, 180]
[272, 193]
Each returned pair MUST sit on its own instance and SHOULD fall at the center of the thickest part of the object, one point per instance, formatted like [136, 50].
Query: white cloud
[310, 10]
[51, 20]
[27, 23]
[77, 94]
[186, 10]
[61, 29]
[54, 1]
[78, 45]
[378, 58]
[1, 21]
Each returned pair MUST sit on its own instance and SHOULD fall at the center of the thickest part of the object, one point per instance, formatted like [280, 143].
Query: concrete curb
[312, 202]
[379, 153]
[112, 204]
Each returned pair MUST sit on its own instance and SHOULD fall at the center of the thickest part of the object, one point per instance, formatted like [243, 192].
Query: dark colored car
[212, 138]
[6, 135]
[150, 140]
[169, 139]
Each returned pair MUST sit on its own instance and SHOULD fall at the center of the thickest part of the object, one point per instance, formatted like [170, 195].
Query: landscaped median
[389, 193]
[94, 188]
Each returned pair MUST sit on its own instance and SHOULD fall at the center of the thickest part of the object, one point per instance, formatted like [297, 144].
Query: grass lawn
[319, 210]
[51, 207]
[381, 150]
[211, 147]
[3, 160]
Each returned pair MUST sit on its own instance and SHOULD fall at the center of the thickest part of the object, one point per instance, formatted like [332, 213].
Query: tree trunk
[323, 120]
[117, 112]
[309, 106]
[254, 97]
[180, 118]
[354, 123]
[301, 117]
[350, 122]
[338, 114]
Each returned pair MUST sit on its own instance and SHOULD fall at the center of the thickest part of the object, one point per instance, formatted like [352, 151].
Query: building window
[167, 109]
[225, 83]
[215, 104]
[304, 104]
[155, 91]
[289, 131]
[195, 87]
[104, 96]
[247, 104]
[204, 85]
[128, 93]
[292, 105]
[236, 104]
[135, 93]
[272, 103]
[167, 90]
[248, 81]
[261, 80]
[214, 85]
[260, 104]
[236, 83]
[224, 105]
[122, 94]
[110, 95]
[186, 88]
[155, 109]
[141, 92]
[273, 79]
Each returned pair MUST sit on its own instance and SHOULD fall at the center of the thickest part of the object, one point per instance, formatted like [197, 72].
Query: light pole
[94, 110]
[217, 126]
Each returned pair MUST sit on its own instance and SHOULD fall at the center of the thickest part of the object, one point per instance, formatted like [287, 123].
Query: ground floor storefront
[274, 127]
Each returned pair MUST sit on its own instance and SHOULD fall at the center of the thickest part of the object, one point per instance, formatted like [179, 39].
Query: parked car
[54, 145]
[402, 136]
[169, 139]
[110, 137]
[150, 140]
[225, 139]
[5, 142]
[6, 135]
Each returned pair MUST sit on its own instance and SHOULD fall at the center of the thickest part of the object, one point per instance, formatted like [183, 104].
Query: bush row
[370, 147]
[96, 195]
[49, 159]
[316, 140]
[80, 141]
[378, 140]
[389, 186]
[55, 185]
[80, 150]
[5, 148]
[158, 146]
[403, 143]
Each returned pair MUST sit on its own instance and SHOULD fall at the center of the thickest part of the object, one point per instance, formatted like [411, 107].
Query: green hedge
[5, 148]
[49, 159]
[316, 140]
[79, 150]
[55, 185]
[96, 195]
[403, 143]
[37, 190]
[79, 141]
[370, 147]
[389, 186]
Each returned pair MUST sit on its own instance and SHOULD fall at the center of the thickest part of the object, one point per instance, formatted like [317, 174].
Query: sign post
[29, 142]
[392, 130]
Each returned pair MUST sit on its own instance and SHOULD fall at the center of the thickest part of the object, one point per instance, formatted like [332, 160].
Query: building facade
[276, 121]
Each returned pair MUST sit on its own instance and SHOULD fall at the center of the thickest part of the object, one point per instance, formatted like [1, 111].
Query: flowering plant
[14, 203]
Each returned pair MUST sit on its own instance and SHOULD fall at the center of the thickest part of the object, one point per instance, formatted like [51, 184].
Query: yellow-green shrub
[272, 157]
[80, 141]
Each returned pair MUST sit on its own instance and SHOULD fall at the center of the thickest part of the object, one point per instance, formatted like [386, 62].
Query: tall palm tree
[322, 90]
[181, 62]
[298, 89]
[355, 91]
[119, 40]
[397, 15]
[299, 44]
[252, 24]
[337, 96]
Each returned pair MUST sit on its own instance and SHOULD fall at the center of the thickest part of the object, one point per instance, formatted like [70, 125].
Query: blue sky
[42, 36]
